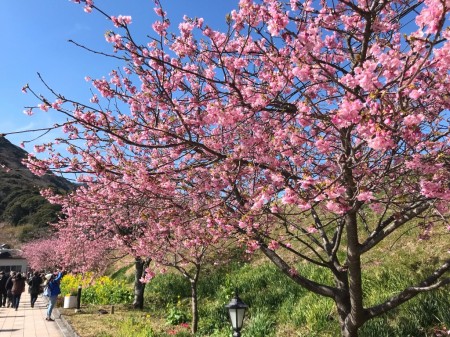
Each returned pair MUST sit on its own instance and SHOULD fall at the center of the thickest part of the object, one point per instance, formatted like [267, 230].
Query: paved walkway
[30, 322]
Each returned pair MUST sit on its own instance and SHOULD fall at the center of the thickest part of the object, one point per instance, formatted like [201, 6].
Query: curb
[63, 325]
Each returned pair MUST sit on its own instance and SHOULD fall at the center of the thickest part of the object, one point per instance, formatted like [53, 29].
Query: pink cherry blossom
[305, 131]
[121, 20]
[365, 196]
[311, 229]
[44, 107]
[274, 245]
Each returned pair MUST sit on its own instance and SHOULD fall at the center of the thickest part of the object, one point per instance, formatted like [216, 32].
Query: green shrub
[21, 206]
[45, 214]
[260, 324]
[210, 285]
[102, 291]
[176, 315]
[213, 317]
[29, 232]
[70, 282]
[167, 288]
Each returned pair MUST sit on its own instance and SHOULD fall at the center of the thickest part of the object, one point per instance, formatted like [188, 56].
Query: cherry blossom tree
[187, 246]
[90, 219]
[42, 254]
[310, 131]
[69, 250]
[161, 227]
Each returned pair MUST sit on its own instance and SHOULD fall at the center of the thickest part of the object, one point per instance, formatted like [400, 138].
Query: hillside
[21, 205]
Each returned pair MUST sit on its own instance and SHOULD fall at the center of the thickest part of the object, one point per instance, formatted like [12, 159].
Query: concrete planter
[70, 302]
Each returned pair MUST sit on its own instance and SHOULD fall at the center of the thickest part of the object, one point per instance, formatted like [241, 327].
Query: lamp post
[236, 309]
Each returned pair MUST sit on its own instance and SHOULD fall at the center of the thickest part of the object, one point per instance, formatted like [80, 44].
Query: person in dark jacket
[34, 285]
[3, 293]
[17, 289]
[8, 286]
[53, 281]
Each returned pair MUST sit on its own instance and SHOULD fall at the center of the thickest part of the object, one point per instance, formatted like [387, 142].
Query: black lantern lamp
[236, 309]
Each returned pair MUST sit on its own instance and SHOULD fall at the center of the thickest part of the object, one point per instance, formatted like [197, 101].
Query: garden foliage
[101, 291]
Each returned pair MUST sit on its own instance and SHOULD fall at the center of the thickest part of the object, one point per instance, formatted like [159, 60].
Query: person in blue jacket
[53, 290]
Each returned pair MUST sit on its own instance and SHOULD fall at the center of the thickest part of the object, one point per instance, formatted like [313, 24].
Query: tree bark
[139, 287]
[194, 306]
[348, 331]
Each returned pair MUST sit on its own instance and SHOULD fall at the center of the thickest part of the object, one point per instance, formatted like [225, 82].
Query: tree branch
[315, 287]
[430, 283]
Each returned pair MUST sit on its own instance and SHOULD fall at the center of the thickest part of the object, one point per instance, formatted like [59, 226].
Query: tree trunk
[348, 329]
[194, 306]
[349, 332]
[355, 315]
[343, 306]
[139, 287]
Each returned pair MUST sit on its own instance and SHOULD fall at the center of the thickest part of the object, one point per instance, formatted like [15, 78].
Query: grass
[124, 322]
[280, 308]
[283, 310]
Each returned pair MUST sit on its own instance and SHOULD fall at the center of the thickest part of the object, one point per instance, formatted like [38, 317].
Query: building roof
[10, 253]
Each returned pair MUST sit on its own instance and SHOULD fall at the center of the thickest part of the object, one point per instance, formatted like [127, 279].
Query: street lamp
[236, 309]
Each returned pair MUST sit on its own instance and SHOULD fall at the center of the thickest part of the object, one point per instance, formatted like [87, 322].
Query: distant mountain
[20, 201]
[11, 156]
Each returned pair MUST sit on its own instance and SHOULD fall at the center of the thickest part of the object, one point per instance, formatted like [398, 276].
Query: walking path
[30, 322]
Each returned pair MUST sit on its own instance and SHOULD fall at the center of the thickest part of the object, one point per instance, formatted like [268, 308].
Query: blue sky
[34, 39]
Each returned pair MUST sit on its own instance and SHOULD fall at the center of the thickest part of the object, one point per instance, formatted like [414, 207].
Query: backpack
[46, 291]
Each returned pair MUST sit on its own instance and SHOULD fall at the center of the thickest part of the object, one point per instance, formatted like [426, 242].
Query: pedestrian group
[12, 285]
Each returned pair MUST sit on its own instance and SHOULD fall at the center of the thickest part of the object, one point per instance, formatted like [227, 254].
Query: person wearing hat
[54, 290]
[3, 292]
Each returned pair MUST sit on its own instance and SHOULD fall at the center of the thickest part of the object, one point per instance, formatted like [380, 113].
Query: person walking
[34, 285]
[3, 293]
[17, 289]
[8, 286]
[53, 290]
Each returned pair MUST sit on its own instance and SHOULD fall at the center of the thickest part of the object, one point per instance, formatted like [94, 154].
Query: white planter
[70, 302]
